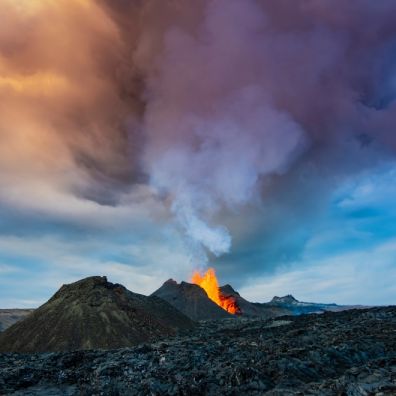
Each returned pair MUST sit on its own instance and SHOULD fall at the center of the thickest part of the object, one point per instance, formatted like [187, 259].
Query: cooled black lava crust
[344, 353]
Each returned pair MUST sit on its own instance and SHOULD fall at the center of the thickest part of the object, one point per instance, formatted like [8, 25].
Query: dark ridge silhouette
[249, 309]
[190, 299]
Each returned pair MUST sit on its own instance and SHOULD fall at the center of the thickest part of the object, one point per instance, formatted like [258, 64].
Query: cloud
[226, 131]
[40, 265]
[355, 277]
[58, 134]
[349, 251]
[212, 130]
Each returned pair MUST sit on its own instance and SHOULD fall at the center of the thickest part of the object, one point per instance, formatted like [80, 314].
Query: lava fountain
[208, 282]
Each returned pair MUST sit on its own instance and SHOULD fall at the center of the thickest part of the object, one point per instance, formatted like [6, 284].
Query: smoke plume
[209, 109]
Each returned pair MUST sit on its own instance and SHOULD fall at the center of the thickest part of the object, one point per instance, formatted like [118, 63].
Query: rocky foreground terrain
[335, 353]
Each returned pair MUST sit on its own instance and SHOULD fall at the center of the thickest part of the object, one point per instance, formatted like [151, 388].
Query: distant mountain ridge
[10, 316]
[194, 302]
[297, 307]
[288, 299]
[184, 298]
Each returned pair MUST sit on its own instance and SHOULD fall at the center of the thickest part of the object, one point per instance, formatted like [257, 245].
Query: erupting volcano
[209, 283]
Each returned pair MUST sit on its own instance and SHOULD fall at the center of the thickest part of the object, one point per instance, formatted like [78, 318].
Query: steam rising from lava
[212, 131]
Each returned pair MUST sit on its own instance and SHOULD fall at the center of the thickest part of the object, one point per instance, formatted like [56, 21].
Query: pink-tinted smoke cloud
[205, 106]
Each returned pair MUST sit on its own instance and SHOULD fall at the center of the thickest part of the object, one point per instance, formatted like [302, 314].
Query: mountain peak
[288, 299]
[191, 300]
[228, 290]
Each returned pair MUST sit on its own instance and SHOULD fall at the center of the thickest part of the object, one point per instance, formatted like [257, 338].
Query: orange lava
[209, 283]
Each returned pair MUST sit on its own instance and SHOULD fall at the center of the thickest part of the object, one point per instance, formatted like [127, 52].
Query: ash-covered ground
[335, 353]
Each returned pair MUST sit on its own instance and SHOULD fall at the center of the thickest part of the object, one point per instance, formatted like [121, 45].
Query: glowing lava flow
[209, 283]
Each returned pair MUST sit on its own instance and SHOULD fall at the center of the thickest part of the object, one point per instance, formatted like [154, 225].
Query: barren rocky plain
[351, 352]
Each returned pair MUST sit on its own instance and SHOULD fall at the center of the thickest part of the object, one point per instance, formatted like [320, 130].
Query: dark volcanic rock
[193, 301]
[337, 353]
[190, 299]
[10, 316]
[93, 314]
[248, 309]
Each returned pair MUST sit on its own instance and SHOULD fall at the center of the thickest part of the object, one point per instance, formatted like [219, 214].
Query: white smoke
[212, 131]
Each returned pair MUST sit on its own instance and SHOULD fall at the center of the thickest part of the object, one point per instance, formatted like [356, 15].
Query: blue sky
[349, 255]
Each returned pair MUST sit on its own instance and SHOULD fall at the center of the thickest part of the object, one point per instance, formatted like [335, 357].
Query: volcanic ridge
[94, 314]
[190, 299]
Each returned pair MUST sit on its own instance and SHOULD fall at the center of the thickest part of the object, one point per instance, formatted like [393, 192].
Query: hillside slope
[94, 314]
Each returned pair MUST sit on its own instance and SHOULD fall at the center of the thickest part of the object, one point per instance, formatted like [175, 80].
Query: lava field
[335, 353]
